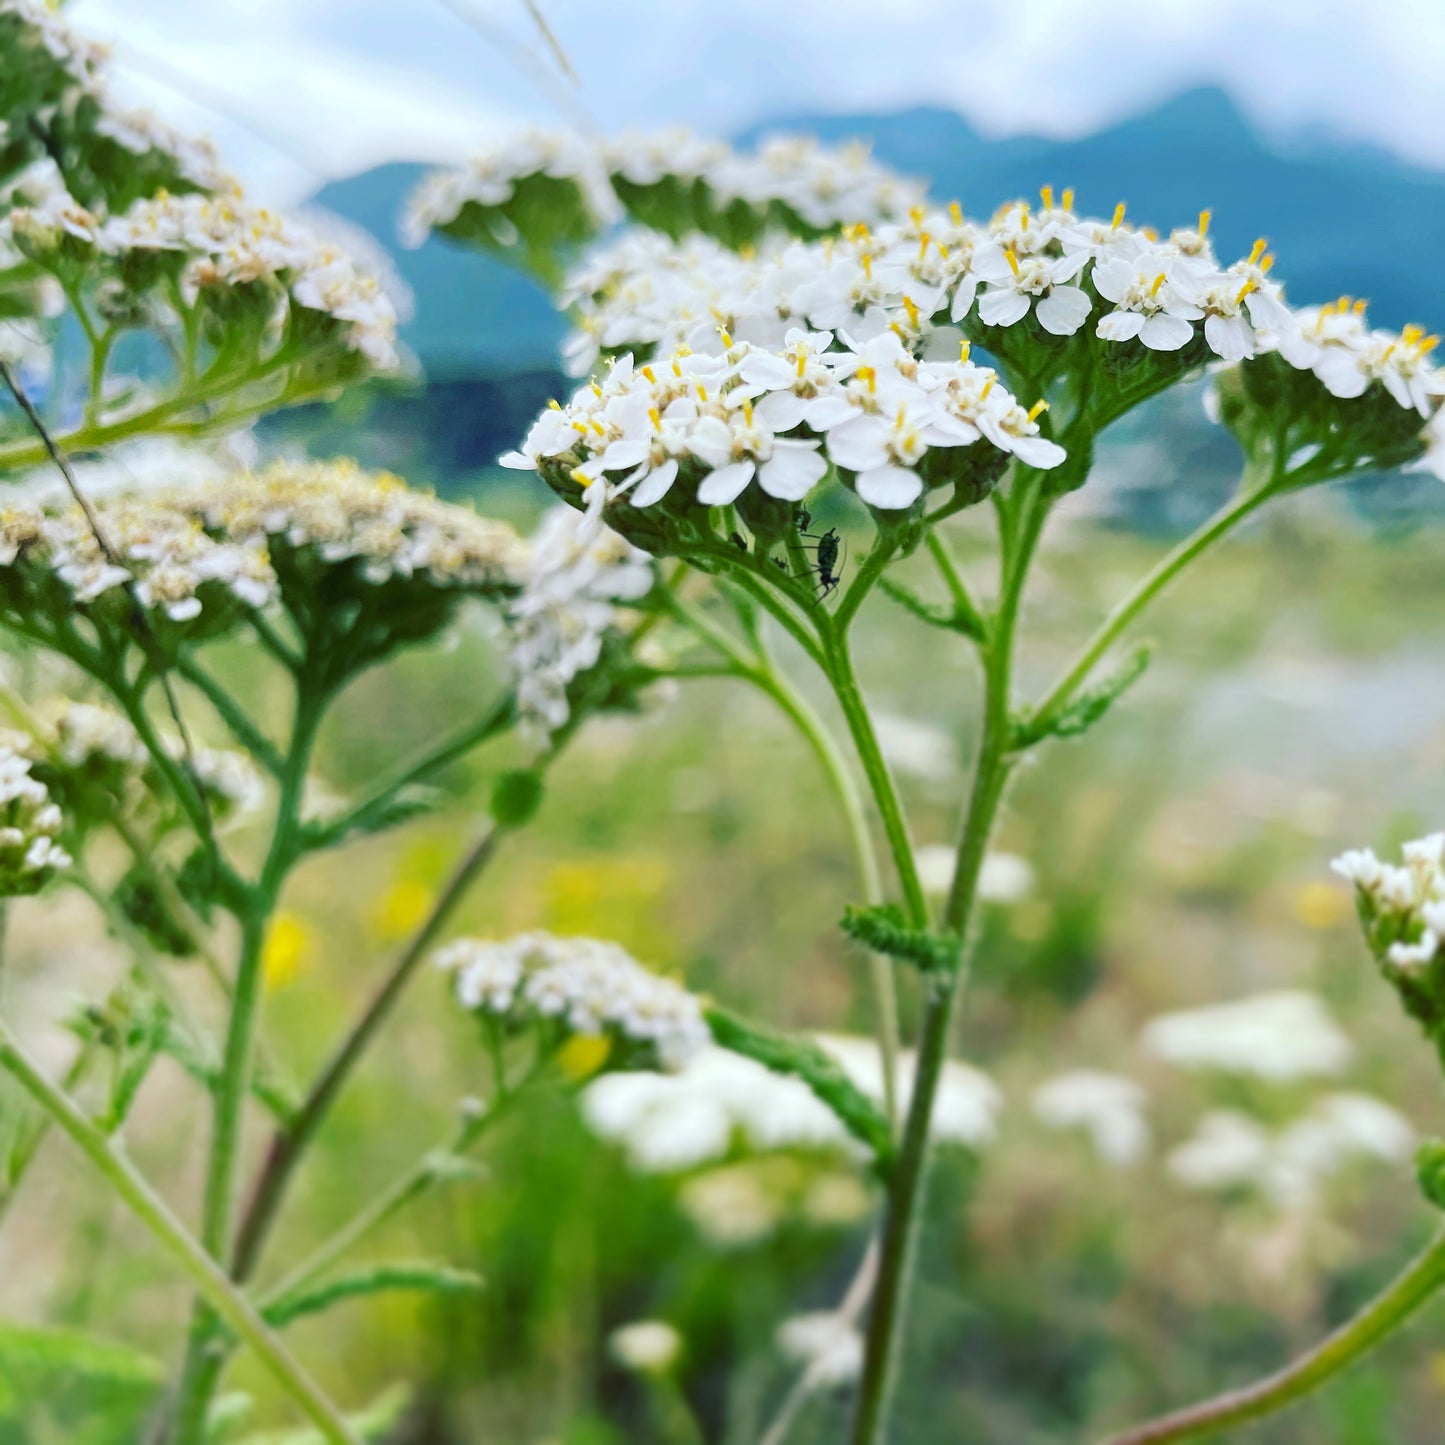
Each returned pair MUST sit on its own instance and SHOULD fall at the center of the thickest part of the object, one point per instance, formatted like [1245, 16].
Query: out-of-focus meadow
[1179, 857]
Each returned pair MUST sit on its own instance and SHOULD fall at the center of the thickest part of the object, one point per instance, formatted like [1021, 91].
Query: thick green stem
[1412, 1288]
[200, 1266]
[907, 1186]
[1169, 567]
[205, 1350]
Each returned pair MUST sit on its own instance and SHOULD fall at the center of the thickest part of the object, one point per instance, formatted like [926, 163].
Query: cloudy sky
[327, 87]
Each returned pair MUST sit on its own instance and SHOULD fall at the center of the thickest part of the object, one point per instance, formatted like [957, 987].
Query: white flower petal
[1163, 332]
[1000, 306]
[656, 484]
[725, 485]
[1063, 310]
[890, 488]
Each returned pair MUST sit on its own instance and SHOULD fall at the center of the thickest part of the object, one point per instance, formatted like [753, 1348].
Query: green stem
[762, 672]
[1412, 1288]
[205, 1352]
[371, 1216]
[290, 1142]
[840, 670]
[907, 1183]
[205, 1274]
[964, 608]
[234, 716]
[1168, 568]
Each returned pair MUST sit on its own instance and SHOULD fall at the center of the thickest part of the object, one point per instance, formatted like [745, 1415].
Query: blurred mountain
[1343, 218]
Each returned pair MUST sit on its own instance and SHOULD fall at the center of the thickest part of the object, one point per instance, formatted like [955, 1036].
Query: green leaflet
[805, 1060]
[374, 1279]
[883, 928]
[1087, 706]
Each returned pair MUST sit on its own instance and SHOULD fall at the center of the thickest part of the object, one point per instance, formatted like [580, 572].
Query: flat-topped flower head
[579, 986]
[30, 825]
[359, 553]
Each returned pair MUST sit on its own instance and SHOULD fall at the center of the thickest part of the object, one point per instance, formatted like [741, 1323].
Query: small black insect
[805, 520]
[829, 573]
[781, 566]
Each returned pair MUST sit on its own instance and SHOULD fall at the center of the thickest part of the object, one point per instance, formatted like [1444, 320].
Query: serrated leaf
[374, 1279]
[883, 928]
[412, 801]
[382, 1415]
[1087, 707]
[818, 1069]
[950, 619]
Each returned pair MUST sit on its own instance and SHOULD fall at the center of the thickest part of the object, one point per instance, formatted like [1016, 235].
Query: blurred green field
[1180, 852]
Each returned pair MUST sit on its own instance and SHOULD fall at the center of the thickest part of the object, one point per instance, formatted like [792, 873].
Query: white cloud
[347, 83]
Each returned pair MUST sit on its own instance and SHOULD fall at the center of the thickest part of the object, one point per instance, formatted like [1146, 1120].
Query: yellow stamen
[578, 475]
[1068, 198]
[908, 305]
[1204, 217]
[1159, 280]
[1149, 233]
[1013, 261]
[1046, 195]
[651, 375]
[943, 250]
[1427, 345]
[867, 261]
[656, 416]
[1244, 291]
[702, 391]
[676, 369]
[964, 347]
[1359, 307]
[924, 241]
[802, 362]
[1038, 409]
[1024, 219]
[987, 387]
[899, 420]
[955, 213]
[897, 330]
[1411, 334]
[596, 390]
[599, 428]
[1258, 250]
[1265, 263]
[1118, 216]
[553, 404]
[580, 426]
[1389, 351]
[1343, 304]
[727, 340]
[915, 214]
[867, 374]
[747, 411]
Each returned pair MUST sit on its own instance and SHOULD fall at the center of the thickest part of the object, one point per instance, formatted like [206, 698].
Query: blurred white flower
[1107, 1107]
[1004, 877]
[1277, 1036]
[677, 1121]
[825, 1342]
[917, 748]
[646, 1347]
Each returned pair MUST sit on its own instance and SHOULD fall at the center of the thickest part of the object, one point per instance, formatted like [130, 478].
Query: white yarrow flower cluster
[587, 986]
[1109, 1108]
[776, 418]
[670, 1123]
[823, 186]
[1402, 905]
[30, 825]
[1287, 1167]
[579, 578]
[180, 545]
[1274, 1036]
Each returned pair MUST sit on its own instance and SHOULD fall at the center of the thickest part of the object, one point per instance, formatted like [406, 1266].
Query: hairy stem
[210, 1281]
[1412, 1288]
